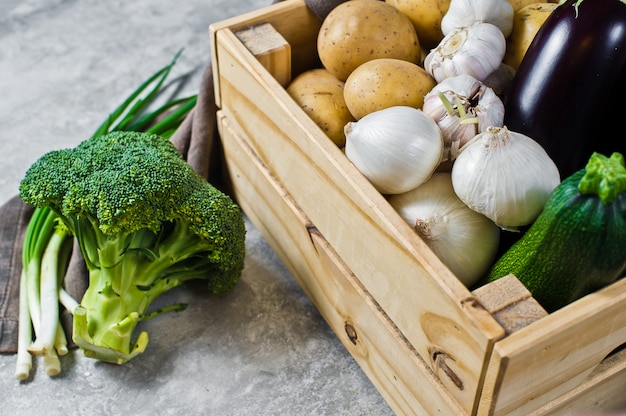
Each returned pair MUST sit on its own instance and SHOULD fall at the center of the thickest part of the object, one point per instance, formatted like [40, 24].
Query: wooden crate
[429, 344]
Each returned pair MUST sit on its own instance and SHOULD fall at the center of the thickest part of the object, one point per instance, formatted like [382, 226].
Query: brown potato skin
[518, 4]
[358, 31]
[386, 82]
[320, 95]
[526, 23]
[426, 17]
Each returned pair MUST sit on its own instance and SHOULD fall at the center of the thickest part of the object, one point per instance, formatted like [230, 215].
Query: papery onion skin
[396, 149]
[464, 240]
[505, 176]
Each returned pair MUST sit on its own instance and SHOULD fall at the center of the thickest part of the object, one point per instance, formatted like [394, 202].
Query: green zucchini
[577, 245]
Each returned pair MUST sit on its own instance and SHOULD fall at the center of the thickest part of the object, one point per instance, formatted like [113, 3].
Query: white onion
[396, 148]
[464, 240]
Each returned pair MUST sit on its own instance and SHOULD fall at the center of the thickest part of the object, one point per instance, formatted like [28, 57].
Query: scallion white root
[60, 341]
[46, 251]
[25, 334]
[67, 300]
[48, 298]
[51, 363]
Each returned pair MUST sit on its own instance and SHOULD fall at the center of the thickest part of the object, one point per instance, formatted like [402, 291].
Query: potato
[385, 82]
[518, 4]
[426, 17]
[358, 31]
[526, 23]
[320, 95]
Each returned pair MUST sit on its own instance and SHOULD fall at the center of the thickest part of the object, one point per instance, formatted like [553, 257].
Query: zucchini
[570, 83]
[577, 244]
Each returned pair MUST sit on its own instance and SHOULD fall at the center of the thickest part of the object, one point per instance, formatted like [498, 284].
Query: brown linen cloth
[195, 139]
[14, 216]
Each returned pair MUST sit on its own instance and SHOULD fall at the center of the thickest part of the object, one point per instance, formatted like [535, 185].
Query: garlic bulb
[462, 13]
[396, 148]
[462, 106]
[464, 240]
[505, 176]
[475, 50]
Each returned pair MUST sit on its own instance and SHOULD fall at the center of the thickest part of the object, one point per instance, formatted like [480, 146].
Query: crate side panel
[554, 355]
[399, 374]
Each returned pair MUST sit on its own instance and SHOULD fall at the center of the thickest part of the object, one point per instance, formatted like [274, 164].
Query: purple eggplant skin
[568, 92]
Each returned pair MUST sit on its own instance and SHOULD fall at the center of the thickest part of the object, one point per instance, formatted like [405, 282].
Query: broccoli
[145, 223]
[47, 245]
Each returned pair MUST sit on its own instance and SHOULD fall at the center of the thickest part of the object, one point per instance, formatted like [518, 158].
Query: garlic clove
[462, 107]
[463, 13]
[489, 109]
[396, 149]
[505, 176]
[475, 50]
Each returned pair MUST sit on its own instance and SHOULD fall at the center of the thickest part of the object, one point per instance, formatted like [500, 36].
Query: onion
[396, 149]
[464, 240]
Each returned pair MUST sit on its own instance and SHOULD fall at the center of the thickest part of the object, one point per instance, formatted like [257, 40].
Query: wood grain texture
[270, 49]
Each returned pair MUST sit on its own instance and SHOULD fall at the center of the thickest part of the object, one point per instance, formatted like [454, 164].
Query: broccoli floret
[145, 222]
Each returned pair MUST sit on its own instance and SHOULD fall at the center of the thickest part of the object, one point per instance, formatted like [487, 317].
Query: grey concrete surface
[263, 349]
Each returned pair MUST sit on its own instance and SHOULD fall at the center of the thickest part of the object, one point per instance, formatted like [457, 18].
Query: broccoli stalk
[38, 304]
[139, 272]
[145, 222]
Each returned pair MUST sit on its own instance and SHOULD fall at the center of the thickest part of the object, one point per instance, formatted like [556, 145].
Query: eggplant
[568, 89]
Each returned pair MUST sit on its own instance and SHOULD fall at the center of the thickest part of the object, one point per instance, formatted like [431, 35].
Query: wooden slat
[602, 392]
[291, 18]
[510, 303]
[270, 49]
